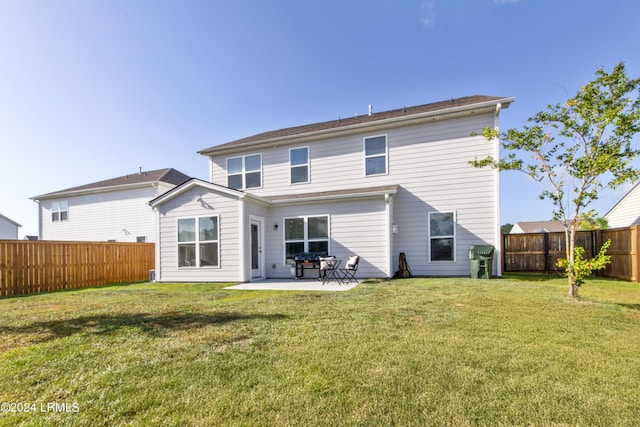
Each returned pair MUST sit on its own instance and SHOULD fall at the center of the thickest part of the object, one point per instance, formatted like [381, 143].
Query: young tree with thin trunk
[575, 149]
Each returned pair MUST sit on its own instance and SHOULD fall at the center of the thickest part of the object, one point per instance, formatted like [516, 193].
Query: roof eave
[320, 198]
[85, 191]
[419, 118]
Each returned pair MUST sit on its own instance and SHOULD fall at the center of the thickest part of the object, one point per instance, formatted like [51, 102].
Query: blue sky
[91, 90]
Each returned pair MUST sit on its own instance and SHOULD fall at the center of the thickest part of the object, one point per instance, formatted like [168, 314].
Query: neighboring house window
[375, 155]
[141, 239]
[442, 239]
[60, 211]
[198, 242]
[299, 161]
[306, 234]
[244, 172]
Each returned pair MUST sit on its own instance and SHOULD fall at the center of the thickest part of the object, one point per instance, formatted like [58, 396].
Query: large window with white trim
[299, 161]
[306, 234]
[375, 155]
[442, 236]
[198, 242]
[244, 172]
[60, 211]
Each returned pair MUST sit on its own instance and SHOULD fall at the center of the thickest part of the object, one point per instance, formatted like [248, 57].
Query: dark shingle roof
[169, 175]
[351, 121]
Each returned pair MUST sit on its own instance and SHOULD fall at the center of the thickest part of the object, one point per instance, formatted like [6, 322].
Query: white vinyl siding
[627, 212]
[122, 216]
[192, 204]
[430, 162]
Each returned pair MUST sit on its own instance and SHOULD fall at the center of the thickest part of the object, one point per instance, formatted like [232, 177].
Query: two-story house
[375, 186]
[115, 209]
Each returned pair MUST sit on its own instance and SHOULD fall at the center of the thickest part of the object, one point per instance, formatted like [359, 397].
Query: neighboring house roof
[10, 220]
[388, 118]
[537, 227]
[169, 176]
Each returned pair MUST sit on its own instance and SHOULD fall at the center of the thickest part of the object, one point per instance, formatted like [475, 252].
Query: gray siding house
[374, 186]
[115, 209]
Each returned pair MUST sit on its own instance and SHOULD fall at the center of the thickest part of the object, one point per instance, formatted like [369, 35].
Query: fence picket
[539, 252]
[39, 266]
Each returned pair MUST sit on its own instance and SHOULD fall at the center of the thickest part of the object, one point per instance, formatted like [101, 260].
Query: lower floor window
[306, 234]
[442, 239]
[198, 242]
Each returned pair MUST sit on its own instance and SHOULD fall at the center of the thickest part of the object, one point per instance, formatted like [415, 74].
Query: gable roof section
[194, 183]
[433, 111]
[10, 220]
[169, 176]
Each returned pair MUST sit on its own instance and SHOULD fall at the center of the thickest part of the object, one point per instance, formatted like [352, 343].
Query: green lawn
[514, 351]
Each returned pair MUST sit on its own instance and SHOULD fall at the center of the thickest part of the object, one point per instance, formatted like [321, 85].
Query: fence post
[635, 253]
[546, 253]
[502, 253]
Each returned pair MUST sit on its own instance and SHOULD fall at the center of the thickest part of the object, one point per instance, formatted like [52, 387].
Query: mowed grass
[452, 351]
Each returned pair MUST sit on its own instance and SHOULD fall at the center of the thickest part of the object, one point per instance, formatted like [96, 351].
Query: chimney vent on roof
[370, 109]
[139, 170]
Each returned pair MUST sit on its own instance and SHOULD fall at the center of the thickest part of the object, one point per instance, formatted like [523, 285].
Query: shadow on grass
[630, 306]
[152, 325]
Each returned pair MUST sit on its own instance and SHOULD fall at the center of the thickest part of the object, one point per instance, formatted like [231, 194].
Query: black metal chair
[329, 269]
[349, 271]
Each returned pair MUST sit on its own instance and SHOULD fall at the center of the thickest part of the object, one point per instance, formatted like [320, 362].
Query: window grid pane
[299, 156]
[299, 174]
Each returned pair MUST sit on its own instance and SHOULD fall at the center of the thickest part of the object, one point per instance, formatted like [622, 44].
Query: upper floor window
[375, 155]
[198, 242]
[60, 211]
[442, 236]
[299, 161]
[244, 172]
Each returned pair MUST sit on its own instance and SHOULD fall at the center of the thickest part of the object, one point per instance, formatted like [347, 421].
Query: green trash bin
[481, 257]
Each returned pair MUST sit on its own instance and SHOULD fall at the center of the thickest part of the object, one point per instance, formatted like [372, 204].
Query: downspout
[158, 265]
[388, 220]
[496, 155]
[242, 244]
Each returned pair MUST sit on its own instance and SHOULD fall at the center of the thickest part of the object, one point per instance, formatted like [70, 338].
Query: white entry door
[256, 248]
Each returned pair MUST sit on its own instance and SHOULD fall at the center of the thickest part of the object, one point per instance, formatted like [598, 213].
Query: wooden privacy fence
[28, 267]
[539, 252]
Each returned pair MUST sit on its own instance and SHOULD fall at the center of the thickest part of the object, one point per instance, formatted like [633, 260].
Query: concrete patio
[292, 285]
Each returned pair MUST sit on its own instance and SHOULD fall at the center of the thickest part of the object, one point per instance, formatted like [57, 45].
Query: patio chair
[350, 269]
[329, 269]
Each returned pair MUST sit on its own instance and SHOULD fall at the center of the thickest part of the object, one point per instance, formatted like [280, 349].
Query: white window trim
[308, 165]
[386, 154]
[244, 170]
[453, 236]
[197, 243]
[306, 239]
[59, 210]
